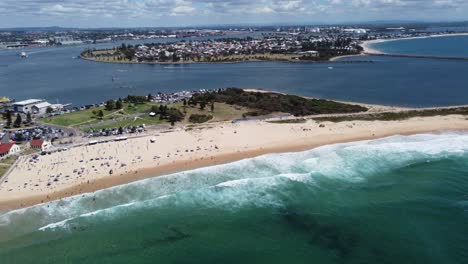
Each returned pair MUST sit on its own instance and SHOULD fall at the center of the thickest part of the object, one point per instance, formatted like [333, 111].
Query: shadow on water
[175, 235]
[324, 236]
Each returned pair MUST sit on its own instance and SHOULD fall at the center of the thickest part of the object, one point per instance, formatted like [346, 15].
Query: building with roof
[26, 105]
[8, 149]
[40, 108]
[39, 144]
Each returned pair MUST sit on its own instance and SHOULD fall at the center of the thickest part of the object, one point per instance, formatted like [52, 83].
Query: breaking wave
[263, 181]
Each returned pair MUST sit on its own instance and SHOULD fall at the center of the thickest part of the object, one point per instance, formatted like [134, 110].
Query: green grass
[76, 118]
[88, 121]
[222, 111]
[30, 151]
[130, 122]
[9, 160]
[6, 164]
[86, 117]
[3, 169]
[138, 108]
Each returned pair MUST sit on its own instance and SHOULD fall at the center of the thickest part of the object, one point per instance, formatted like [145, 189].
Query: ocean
[55, 74]
[447, 46]
[402, 199]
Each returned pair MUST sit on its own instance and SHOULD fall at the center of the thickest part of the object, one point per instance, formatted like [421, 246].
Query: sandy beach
[85, 169]
[366, 45]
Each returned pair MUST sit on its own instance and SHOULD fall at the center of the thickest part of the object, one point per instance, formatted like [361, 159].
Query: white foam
[240, 182]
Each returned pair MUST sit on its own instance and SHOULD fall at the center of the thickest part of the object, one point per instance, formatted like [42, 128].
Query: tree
[28, 118]
[175, 57]
[110, 104]
[212, 107]
[18, 120]
[155, 109]
[120, 130]
[8, 118]
[119, 104]
[202, 105]
[174, 115]
[101, 114]
[150, 97]
[49, 110]
[185, 102]
[19, 137]
[162, 110]
[192, 102]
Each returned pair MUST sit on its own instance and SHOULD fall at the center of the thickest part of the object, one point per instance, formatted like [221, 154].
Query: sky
[165, 13]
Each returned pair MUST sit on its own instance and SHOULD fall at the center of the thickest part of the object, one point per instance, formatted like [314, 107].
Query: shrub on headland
[268, 102]
[196, 118]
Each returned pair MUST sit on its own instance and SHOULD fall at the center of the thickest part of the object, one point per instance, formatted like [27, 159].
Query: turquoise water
[449, 46]
[402, 199]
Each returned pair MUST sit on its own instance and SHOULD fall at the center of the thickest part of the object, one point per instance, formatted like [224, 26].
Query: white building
[26, 105]
[40, 144]
[40, 108]
[355, 30]
[8, 149]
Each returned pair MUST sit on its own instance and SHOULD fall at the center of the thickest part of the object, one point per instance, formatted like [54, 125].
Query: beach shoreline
[211, 145]
[368, 50]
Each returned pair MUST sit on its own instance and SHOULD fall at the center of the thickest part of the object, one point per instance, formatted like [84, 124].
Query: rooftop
[42, 105]
[37, 142]
[29, 101]
[5, 148]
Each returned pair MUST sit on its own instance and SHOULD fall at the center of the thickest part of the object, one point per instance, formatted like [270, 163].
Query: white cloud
[233, 10]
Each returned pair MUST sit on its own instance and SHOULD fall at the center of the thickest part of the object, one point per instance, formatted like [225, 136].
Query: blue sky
[131, 13]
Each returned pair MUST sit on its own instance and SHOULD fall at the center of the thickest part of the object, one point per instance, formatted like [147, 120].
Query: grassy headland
[221, 105]
[265, 103]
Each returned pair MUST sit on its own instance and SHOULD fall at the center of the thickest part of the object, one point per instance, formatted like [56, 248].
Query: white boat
[23, 55]
[330, 68]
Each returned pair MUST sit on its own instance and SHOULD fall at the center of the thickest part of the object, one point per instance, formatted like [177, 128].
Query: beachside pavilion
[7, 149]
[39, 144]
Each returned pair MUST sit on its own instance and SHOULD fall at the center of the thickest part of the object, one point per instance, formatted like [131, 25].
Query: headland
[113, 160]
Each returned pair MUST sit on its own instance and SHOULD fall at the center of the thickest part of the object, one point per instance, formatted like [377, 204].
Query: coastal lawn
[130, 122]
[76, 118]
[30, 151]
[137, 114]
[6, 163]
[222, 112]
[86, 117]
[229, 104]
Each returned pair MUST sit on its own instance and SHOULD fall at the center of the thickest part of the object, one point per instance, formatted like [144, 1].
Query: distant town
[55, 36]
[302, 45]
